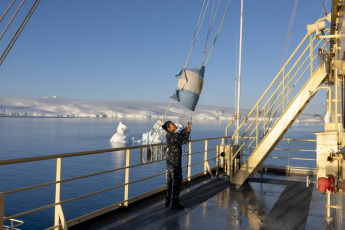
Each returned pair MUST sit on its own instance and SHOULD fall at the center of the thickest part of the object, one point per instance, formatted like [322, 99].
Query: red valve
[325, 183]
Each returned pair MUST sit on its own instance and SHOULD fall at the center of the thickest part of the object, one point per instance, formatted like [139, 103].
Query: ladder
[293, 81]
[281, 126]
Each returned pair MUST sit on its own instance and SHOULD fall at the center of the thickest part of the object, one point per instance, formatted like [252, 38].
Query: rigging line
[196, 29]
[20, 29]
[191, 116]
[324, 7]
[166, 111]
[288, 36]
[196, 32]
[9, 7]
[10, 22]
[210, 28]
[220, 26]
[181, 118]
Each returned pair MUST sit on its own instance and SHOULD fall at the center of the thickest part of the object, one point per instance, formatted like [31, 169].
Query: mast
[238, 116]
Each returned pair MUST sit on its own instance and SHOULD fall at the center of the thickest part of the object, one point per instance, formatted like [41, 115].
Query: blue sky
[131, 50]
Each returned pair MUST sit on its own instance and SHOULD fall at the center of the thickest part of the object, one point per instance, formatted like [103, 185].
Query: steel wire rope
[286, 44]
[324, 7]
[210, 27]
[215, 39]
[20, 29]
[196, 32]
[287, 41]
[8, 8]
[214, 42]
[10, 22]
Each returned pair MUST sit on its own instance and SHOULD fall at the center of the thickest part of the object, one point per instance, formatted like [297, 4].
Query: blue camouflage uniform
[174, 169]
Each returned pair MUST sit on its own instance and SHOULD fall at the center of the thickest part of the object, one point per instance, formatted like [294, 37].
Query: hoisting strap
[181, 118]
[166, 111]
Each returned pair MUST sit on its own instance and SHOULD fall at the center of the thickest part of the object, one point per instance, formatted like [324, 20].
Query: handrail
[276, 99]
[271, 84]
[226, 129]
[208, 149]
[65, 155]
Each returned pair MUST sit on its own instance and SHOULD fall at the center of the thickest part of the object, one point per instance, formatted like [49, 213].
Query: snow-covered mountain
[60, 107]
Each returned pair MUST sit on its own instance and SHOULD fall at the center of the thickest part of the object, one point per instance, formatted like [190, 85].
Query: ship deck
[266, 201]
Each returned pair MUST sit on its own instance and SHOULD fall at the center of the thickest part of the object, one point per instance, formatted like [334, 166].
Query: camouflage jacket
[174, 146]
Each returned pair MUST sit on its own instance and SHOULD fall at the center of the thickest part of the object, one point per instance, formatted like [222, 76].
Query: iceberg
[122, 134]
[147, 137]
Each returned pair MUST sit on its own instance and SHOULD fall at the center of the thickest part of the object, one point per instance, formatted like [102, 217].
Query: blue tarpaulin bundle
[189, 87]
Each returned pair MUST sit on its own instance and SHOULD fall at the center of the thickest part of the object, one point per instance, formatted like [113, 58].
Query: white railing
[201, 159]
[277, 97]
[14, 224]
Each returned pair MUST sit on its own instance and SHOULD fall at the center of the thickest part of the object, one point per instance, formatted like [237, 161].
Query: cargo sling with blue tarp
[189, 87]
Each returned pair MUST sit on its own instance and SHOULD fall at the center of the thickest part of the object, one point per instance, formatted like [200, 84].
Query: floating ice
[158, 138]
[122, 134]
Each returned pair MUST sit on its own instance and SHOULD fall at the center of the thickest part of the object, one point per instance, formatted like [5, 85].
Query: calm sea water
[27, 137]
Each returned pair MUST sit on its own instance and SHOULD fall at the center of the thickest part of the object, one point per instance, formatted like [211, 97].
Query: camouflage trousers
[174, 184]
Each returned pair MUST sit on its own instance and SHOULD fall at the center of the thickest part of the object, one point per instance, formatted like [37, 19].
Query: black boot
[177, 207]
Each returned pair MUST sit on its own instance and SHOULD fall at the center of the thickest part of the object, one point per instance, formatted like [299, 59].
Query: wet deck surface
[265, 202]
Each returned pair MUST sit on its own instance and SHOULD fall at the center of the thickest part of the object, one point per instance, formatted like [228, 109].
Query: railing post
[128, 152]
[141, 155]
[283, 89]
[217, 160]
[230, 170]
[311, 54]
[288, 155]
[222, 163]
[59, 216]
[205, 157]
[265, 121]
[189, 160]
[257, 128]
[2, 210]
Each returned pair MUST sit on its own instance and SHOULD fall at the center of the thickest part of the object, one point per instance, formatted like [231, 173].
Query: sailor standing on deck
[174, 169]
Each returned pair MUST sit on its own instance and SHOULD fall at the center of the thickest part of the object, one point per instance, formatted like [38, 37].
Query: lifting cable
[20, 29]
[14, 15]
[215, 39]
[8, 8]
[196, 32]
[210, 28]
